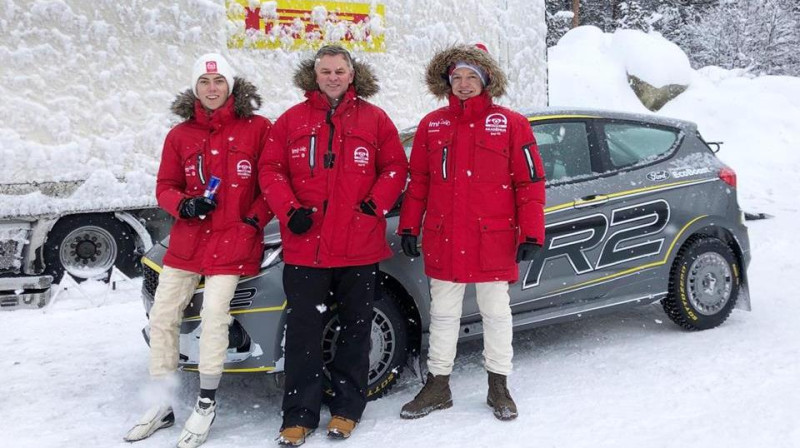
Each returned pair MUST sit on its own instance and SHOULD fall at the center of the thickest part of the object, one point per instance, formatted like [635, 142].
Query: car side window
[564, 148]
[630, 144]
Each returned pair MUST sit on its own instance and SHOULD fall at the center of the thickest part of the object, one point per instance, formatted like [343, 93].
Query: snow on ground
[72, 373]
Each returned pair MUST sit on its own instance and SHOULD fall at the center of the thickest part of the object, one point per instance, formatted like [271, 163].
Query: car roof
[567, 113]
[553, 112]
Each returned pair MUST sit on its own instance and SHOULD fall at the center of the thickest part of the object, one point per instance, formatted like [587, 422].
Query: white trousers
[174, 292]
[493, 302]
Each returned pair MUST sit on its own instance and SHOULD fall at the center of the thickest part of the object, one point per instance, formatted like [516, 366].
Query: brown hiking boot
[435, 394]
[499, 399]
[340, 427]
[294, 435]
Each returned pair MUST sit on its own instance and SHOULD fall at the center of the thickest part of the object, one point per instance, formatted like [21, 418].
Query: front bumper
[25, 292]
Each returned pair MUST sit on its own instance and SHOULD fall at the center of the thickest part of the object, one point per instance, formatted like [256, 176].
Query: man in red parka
[477, 195]
[333, 167]
[219, 236]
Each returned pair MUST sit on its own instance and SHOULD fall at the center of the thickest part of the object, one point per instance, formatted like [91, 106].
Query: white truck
[86, 87]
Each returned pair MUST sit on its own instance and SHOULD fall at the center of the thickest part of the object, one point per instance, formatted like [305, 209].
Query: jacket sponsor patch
[298, 153]
[496, 124]
[433, 126]
[361, 156]
[244, 169]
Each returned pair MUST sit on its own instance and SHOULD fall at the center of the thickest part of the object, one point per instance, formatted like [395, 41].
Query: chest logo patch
[244, 169]
[496, 124]
[361, 156]
[298, 152]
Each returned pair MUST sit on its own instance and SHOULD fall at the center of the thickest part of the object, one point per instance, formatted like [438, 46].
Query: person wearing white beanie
[207, 181]
[212, 63]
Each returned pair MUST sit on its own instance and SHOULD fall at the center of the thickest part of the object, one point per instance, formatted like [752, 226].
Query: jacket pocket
[440, 160]
[433, 246]
[184, 238]
[303, 151]
[195, 172]
[360, 151]
[367, 235]
[239, 246]
[491, 163]
[498, 243]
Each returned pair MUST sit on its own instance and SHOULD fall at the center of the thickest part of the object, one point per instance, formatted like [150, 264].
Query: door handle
[593, 200]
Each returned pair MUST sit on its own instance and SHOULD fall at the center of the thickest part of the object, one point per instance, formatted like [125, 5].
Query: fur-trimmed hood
[365, 82]
[436, 76]
[246, 100]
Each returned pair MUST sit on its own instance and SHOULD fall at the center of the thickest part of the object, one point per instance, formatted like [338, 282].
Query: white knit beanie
[212, 63]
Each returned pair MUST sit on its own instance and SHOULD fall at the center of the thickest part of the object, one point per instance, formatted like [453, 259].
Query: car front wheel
[703, 285]
[388, 342]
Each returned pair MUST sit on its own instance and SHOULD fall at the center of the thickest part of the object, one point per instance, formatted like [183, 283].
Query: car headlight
[273, 254]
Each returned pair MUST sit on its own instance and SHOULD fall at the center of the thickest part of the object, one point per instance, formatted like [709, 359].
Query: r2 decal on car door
[573, 239]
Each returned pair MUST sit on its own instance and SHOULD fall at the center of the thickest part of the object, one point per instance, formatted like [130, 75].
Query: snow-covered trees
[760, 35]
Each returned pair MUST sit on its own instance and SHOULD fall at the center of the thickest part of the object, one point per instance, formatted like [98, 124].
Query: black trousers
[307, 289]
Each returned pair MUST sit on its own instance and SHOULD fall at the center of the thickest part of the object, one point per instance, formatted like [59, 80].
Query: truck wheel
[86, 246]
[703, 285]
[388, 341]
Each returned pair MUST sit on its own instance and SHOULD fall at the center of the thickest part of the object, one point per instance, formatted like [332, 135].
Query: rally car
[639, 210]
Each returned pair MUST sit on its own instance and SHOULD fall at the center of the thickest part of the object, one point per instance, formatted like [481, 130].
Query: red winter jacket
[368, 164]
[477, 178]
[226, 144]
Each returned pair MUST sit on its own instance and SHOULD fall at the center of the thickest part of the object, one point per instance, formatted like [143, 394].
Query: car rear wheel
[704, 284]
[388, 342]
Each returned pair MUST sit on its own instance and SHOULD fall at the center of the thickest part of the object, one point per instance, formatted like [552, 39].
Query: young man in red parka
[218, 236]
[333, 167]
[477, 196]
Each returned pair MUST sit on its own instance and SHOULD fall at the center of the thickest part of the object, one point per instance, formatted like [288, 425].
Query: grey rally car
[639, 210]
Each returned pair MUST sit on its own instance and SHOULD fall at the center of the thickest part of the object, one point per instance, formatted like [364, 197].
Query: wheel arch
[716, 227]
[408, 307]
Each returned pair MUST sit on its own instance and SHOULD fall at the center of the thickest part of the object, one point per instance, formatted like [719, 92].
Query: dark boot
[499, 399]
[434, 395]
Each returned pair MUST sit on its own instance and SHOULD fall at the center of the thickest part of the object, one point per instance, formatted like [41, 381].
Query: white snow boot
[195, 432]
[157, 417]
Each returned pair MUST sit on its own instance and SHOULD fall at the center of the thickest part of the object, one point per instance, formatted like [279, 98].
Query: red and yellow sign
[305, 25]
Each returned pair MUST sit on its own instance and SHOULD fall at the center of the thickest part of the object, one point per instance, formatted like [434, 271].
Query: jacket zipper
[312, 154]
[200, 169]
[329, 154]
[444, 163]
[531, 165]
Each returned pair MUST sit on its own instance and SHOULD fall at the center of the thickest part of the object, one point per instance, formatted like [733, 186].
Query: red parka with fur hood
[476, 178]
[225, 143]
[369, 163]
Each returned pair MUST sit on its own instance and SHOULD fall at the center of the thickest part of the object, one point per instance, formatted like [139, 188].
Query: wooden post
[576, 13]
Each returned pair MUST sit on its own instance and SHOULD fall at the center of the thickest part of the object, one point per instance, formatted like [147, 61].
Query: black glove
[527, 250]
[409, 245]
[251, 220]
[300, 220]
[197, 206]
[368, 207]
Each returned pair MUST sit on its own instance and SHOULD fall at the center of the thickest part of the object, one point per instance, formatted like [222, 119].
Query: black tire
[389, 339]
[85, 246]
[703, 284]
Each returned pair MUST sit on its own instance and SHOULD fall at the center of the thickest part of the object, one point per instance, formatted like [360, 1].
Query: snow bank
[755, 116]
